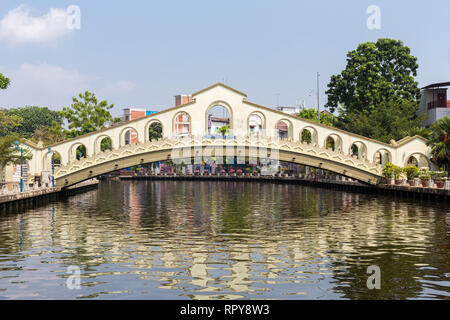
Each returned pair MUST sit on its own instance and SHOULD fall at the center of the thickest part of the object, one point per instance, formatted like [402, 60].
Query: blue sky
[142, 53]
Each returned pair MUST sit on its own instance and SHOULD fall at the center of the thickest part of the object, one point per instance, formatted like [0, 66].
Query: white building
[434, 103]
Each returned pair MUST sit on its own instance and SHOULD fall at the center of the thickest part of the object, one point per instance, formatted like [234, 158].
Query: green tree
[325, 117]
[223, 130]
[391, 120]
[8, 152]
[375, 74]
[33, 119]
[440, 142]
[86, 114]
[8, 123]
[155, 131]
[4, 82]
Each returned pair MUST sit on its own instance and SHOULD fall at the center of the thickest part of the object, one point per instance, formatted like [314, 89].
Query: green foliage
[325, 118]
[306, 136]
[86, 115]
[440, 142]
[411, 172]
[106, 144]
[419, 131]
[375, 72]
[4, 82]
[223, 130]
[390, 169]
[33, 119]
[81, 152]
[391, 120]
[8, 152]
[8, 123]
[376, 95]
[155, 131]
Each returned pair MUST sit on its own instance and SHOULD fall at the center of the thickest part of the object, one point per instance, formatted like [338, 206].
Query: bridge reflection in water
[225, 240]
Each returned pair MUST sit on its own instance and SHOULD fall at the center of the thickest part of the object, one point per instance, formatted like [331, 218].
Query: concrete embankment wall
[34, 198]
[390, 190]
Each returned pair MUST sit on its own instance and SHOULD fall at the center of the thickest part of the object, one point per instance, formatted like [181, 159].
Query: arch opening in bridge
[47, 160]
[309, 135]
[77, 151]
[218, 119]
[283, 130]
[154, 130]
[333, 142]
[418, 160]
[102, 143]
[256, 124]
[358, 150]
[128, 136]
[382, 156]
[182, 124]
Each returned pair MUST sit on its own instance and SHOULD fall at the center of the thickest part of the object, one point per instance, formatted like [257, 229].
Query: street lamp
[53, 167]
[16, 143]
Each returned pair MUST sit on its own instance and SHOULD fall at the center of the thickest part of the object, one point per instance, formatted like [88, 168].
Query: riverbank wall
[353, 186]
[34, 198]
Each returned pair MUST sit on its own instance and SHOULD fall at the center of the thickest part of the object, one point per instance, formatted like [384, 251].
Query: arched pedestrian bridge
[255, 131]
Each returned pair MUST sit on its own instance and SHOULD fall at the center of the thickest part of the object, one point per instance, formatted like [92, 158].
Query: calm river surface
[225, 240]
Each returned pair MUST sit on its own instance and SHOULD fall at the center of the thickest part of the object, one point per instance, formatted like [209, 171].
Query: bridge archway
[153, 130]
[182, 124]
[77, 151]
[128, 135]
[218, 114]
[333, 142]
[256, 124]
[47, 160]
[102, 143]
[417, 159]
[283, 129]
[382, 156]
[358, 149]
[309, 135]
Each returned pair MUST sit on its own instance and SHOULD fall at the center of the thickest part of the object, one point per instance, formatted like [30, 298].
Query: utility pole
[318, 105]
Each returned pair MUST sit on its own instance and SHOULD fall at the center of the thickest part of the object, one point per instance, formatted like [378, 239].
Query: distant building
[182, 99]
[133, 114]
[434, 102]
[214, 123]
[290, 110]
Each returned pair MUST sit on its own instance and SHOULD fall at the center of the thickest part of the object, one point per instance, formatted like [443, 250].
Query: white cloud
[19, 27]
[54, 86]
[43, 85]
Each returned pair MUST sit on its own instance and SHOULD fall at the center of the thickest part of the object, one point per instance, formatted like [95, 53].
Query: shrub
[391, 169]
[411, 172]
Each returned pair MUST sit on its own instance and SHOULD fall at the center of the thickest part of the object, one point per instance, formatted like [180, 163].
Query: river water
[225, 240]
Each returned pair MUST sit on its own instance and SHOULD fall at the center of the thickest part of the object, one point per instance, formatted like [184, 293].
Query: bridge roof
[222, 85]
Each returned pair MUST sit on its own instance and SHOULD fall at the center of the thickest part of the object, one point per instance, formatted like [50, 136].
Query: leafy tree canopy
[4, 82]
[311, 114]
[33, 119]
[8, 153]
[86, 114]
[391, 120]
[375, 72]
[440, 142]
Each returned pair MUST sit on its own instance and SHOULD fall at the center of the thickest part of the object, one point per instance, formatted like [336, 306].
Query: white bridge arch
[192, 130]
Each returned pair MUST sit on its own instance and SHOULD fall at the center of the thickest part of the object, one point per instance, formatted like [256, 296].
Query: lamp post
[21, 164]
[53, 167]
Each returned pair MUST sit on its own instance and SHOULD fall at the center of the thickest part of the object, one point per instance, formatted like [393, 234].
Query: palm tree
[440, 142]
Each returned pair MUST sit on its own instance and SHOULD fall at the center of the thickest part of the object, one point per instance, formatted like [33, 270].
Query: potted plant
[231, 171]
[238, 172]
[222, 172]
[425, 178]
[412, 172]
[391, 170]
[197, 172]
